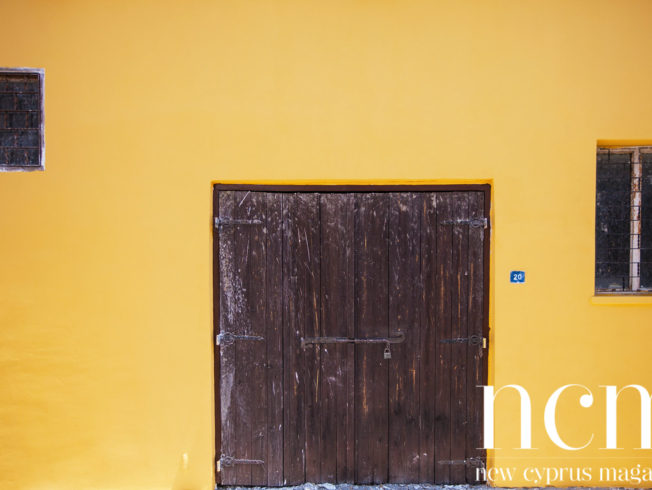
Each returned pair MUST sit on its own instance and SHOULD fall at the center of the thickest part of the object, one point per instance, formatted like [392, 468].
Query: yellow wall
[105, 284]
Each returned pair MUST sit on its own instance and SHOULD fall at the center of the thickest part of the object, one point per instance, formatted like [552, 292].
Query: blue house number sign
[517, 277]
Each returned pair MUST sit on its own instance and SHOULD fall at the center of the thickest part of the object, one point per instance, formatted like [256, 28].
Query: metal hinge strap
[230, 461]
[472, 340]
[227, 338]
[472, 222]
[219, 222]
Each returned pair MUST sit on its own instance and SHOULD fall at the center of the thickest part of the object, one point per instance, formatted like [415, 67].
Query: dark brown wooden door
[352, 265]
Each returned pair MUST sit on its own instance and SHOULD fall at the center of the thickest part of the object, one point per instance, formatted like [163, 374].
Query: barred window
[623, 224]
[21, 119]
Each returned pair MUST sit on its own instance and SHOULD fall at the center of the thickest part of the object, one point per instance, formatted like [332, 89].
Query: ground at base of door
[330, 486]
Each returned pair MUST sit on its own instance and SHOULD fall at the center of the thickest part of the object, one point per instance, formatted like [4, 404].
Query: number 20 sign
[517, 277]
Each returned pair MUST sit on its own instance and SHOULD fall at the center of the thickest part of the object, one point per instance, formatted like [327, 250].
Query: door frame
[335, 188]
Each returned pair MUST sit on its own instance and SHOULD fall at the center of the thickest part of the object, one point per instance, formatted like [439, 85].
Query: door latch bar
[219, 222]
[472, 340]
[472, 222]
[399, 338]
[228, 338]
[470, 461]
[230, 461]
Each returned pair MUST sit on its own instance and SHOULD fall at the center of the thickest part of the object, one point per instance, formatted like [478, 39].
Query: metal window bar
[635, 222]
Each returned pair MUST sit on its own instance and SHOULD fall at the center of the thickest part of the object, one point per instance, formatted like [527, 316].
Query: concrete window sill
[621, 299]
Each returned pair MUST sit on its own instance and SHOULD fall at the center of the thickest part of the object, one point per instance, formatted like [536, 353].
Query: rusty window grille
[21, 119]
[623, 224]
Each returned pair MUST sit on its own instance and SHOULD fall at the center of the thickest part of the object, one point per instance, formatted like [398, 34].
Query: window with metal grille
[623, 223]
[21, 119]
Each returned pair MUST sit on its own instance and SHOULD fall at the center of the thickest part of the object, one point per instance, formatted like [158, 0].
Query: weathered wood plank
[274, 341]
[428, 344]
[476, 361]
[254, 207]
[404, 316]
[371, 310]
[443, 331]
[249, 319]
[337, 321]
[216, 331]
[459, 318]
[309, 291]
[293, 370]
[230, 289]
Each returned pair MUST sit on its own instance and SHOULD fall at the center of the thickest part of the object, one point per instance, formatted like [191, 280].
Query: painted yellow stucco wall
[105, 284]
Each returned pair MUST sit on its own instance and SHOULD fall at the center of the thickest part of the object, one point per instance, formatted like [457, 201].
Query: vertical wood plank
[254, 207]
[443, 331]
[428, 346]
[293, 370]
[404, 316]
[459, 317]
[228, 299]
[308, 281]
[243, 391]
[337, 249]
[475, 354]
[274, 339]
[249, 247]
[371, 310]
[216, 331]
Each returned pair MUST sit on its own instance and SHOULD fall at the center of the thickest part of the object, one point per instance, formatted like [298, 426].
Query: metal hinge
[472, 340]
[470, 461]
[219, 222]
[230, 461]
[472, 222]
[228, 338]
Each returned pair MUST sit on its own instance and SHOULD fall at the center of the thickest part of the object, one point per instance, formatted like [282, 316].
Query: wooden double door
[350, 330]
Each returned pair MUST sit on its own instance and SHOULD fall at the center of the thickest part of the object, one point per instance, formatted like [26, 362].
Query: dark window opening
[623, 220]
[21, 119]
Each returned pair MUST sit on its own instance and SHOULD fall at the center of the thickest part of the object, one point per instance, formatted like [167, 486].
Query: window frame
[635, 221]
[41, 78]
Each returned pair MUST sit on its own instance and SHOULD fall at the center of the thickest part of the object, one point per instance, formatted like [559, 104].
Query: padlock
[387, 354]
